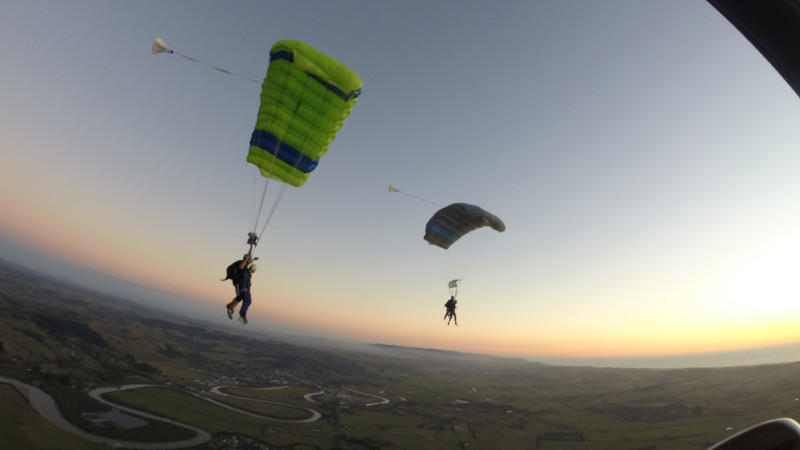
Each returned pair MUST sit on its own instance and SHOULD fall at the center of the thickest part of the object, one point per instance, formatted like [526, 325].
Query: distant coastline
[777, 354]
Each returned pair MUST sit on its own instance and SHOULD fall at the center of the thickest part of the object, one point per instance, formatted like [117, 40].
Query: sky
[642, 155]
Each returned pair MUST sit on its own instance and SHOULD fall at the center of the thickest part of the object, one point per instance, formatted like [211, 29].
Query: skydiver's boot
[231, 306]
[243, 319]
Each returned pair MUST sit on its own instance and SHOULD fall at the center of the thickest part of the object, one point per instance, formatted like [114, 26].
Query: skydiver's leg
[231, 306]
[247, 300]
[237, 299]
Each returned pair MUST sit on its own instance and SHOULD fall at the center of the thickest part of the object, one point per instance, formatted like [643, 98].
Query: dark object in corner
[773, 27]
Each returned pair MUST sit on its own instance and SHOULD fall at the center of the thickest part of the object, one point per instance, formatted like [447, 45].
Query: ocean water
[749, 357]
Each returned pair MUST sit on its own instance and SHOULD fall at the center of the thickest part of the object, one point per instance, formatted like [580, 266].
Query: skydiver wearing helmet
[451, 310]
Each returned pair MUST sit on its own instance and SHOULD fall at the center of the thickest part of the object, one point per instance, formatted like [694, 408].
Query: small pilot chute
[160, 47]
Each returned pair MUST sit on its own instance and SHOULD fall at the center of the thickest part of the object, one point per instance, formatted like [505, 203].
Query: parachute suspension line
[456, 262]
[447, 261]
[295, 164]
[263, 197]
[272, 210]
[441, 258]
[262, 201]
[260, 204]
[475, 248]
[256, 184]
[268, 179]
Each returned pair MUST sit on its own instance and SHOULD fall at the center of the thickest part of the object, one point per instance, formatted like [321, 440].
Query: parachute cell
[452, 222]
[305, 99]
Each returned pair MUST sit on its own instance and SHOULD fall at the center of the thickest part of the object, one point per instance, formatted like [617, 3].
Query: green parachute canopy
[305, 99]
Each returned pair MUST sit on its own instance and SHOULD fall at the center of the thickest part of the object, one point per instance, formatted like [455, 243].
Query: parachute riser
[252, 239]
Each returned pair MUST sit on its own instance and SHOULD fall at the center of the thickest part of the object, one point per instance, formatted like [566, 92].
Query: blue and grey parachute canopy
[452, 222]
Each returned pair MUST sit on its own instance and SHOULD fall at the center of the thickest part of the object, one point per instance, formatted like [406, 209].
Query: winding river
[44, 404]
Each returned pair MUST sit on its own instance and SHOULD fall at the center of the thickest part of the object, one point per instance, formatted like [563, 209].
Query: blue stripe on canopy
[285, 152]
[438, 232]
[346, 96]
[283, 54]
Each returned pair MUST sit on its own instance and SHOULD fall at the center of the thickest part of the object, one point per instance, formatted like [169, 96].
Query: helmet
[252, 267]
